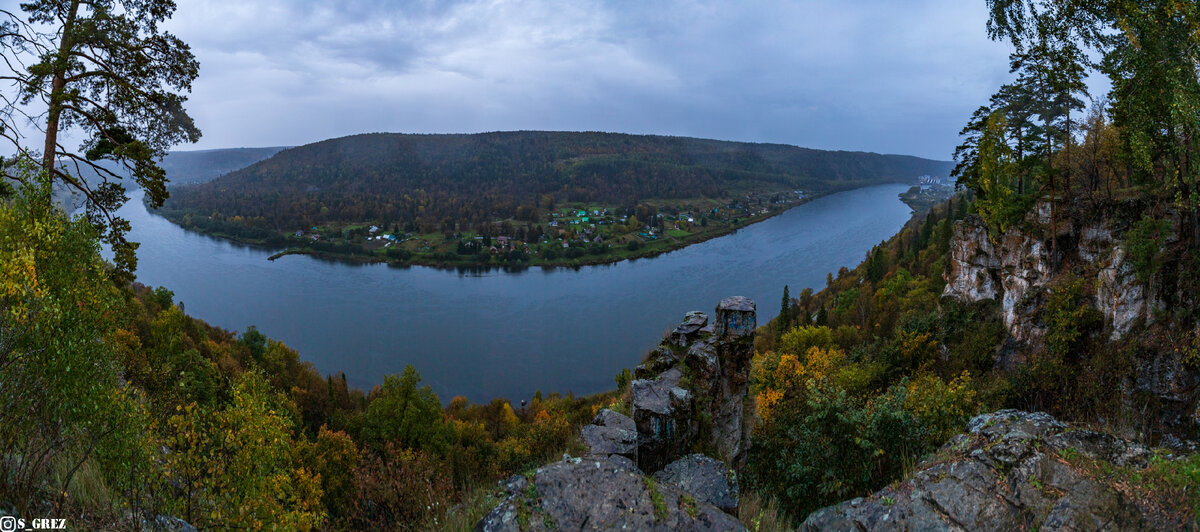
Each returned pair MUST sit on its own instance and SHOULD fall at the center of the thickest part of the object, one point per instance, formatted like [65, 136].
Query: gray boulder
[736, 317]
[662, 358]
[165, 523]
[663, 414]
[611, 433]
[689, 329]
[706, 479]
[599, 493]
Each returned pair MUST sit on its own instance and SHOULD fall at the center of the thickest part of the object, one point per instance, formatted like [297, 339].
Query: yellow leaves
[792, 374]
[940, 405]
[916, 346]
[789, 368]
[765, 401]
[243, 457]
[508, 418]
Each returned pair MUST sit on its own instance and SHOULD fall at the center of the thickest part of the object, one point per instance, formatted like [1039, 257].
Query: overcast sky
[874, 75]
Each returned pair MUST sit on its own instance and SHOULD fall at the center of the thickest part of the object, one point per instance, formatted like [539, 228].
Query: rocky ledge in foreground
[601, 493]
[1012, 471]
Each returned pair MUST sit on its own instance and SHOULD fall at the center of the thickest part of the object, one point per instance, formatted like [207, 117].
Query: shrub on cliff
[62, 408]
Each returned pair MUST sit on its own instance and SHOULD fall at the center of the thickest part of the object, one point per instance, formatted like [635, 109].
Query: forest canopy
[425, 180]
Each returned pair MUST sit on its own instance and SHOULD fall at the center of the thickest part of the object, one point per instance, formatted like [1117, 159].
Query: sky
[870, 75]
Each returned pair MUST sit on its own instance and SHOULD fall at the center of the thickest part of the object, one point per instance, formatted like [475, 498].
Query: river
[497, 333]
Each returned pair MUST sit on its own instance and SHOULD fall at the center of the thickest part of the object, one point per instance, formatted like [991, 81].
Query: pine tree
[784, 321]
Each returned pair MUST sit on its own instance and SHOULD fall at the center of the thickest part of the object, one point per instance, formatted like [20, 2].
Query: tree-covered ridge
[1033, 140]
[122, 412]
[857, 383]
[421, 182]
[199, 166]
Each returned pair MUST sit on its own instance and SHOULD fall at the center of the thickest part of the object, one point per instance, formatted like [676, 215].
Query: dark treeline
[427, 182]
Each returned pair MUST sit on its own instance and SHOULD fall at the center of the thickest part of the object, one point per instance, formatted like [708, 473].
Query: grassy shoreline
[618, 254]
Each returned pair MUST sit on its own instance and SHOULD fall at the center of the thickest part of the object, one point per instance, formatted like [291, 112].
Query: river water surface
[504, 334]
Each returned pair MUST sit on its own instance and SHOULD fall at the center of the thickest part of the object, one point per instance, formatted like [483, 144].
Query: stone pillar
[735, 317]
[736, 322]
[691, 391]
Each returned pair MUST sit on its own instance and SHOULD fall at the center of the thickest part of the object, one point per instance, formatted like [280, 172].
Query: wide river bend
[497, 333]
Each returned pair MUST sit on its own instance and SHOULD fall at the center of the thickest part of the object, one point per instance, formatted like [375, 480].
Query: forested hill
[428, 179]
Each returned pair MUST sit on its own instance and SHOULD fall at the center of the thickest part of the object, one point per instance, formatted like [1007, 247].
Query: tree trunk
[58, 85]
[1020, 158]
[1050, 175]
[1067, 145]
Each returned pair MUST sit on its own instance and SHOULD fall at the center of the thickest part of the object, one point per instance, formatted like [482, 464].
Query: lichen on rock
[1006, 473]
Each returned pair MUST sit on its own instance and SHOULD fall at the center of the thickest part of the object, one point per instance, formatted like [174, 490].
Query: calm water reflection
[496, 333]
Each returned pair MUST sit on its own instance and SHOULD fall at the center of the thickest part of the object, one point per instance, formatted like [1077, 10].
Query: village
[929, 191]
[569, 234]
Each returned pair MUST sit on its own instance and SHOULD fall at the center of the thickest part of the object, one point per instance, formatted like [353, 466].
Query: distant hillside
[202, 166]
[425, 180]
[182, 167]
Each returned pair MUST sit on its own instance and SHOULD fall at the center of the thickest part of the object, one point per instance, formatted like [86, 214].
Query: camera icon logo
[9, 523]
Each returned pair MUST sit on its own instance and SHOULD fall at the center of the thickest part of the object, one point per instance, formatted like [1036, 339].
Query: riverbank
[544, 254]
[662, 246]
[537, 326]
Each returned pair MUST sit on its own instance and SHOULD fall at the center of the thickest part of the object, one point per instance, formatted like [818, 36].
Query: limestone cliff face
[1018, 266]
[1017, 269]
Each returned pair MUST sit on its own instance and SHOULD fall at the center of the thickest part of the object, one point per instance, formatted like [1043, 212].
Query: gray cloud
[895, 77]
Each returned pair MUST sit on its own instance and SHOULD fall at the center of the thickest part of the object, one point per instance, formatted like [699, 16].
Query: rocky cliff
[1015, 470]
[1018, 268]
[642, 471]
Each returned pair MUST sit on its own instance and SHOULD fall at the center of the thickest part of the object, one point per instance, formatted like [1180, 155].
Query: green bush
[62, 405]
[1144, 242]
[824, 445]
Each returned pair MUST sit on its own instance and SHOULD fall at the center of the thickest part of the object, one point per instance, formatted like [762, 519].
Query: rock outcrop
[1012, 471]
[664, 416]
[1017, 267]
[690, 393]
[611, 433]
[600, 493]
[1013, 268]
[707, 479]
[693, 387]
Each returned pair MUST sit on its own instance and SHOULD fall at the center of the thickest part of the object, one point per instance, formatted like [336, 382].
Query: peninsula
[517, 198]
